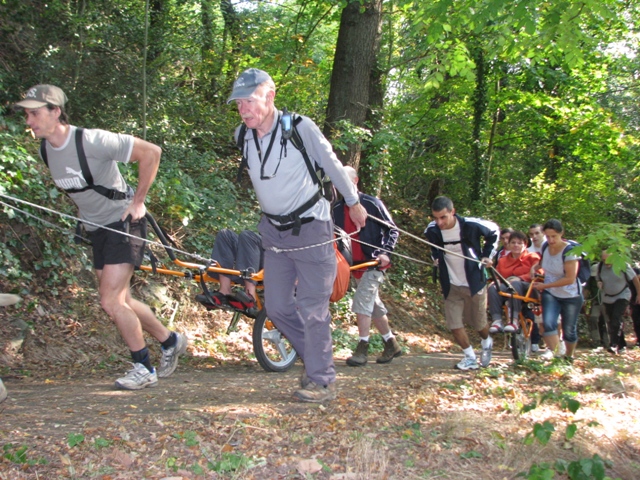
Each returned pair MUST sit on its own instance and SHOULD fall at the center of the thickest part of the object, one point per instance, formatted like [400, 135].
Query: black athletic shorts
[112, 248]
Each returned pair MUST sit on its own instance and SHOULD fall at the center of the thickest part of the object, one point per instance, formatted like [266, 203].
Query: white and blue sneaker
[467, 363]
[169, 360]
[3, 392]
[138, 378]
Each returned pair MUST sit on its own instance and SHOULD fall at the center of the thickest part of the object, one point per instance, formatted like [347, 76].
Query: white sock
[387, 336]
[365, 339]
[468, 352]
[487, 342]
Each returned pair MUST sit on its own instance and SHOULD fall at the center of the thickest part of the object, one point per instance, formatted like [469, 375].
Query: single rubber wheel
[272, 350]
[520, 346]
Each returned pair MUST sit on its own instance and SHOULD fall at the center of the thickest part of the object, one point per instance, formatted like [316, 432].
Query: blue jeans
[569, 308]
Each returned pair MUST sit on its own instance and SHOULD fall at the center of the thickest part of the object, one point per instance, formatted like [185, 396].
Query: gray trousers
[297, 287]
[496, 300]
[237, 252]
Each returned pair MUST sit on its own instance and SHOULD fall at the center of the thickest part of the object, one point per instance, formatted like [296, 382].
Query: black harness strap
[294, 217]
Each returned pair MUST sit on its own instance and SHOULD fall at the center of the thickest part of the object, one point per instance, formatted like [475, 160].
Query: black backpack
[343, 243]
[289, 122]
[584, 265]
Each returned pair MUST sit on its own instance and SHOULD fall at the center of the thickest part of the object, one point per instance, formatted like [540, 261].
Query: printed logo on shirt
[74, 182]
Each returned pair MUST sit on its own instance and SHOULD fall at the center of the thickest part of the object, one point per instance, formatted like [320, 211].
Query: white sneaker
[467, 363]
[561, 351]
[137, 378]
[496, 327]
[169, 360]
[485, 355]
[547, 355]
[3, 392]
[509, 328]
[535, 348]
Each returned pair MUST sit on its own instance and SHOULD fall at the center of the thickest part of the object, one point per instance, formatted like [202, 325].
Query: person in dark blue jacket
[463, 279]
[375, 241]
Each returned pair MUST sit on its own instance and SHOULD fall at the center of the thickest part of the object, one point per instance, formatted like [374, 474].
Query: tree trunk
[371, 171]
[479, 109]
[358, 40]
[232, 36]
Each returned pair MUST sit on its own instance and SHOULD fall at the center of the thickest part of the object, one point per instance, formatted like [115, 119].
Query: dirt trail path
[44, 407]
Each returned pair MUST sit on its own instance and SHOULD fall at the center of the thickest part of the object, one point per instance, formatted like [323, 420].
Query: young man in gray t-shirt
[107, 202]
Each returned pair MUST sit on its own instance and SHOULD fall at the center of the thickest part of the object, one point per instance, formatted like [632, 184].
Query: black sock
[171, 341]
[142, 356]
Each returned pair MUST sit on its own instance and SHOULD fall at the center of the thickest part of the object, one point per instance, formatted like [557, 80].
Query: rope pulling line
[208, 260]
[71, 217]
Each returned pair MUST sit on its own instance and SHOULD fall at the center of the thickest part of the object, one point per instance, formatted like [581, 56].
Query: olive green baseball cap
[42, 95]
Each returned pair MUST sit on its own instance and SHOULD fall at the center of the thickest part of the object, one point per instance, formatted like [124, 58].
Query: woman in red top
[516, 268]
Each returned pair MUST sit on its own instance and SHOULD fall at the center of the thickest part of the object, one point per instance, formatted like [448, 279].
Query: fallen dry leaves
[221, 416]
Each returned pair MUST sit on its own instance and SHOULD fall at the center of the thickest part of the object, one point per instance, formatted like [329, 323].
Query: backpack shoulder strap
[240, 144]
[297, 142]
[43, 152]
[600, 268]
[82, 158]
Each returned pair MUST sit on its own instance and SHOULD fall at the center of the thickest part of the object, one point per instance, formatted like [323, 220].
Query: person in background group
[561, 292]
[6, 299]
[109, 202]
[378, 241]
[298, 281]
[463, 279]
[596, 319]
[616, 295]
[635, 310]
[503, 249]
[537, 238]
[516, 268]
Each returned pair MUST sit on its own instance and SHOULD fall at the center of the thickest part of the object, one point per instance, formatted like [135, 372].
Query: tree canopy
[519, 111]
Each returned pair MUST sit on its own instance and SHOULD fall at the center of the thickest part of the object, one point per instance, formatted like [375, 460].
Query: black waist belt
[303, 220]
[295, 216]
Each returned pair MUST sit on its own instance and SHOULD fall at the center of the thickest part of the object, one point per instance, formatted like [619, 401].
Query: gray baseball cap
[42, 95]
[247, 83]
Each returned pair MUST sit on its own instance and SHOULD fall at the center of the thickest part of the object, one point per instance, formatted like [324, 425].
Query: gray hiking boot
[359, 358]
[391, 350]
[314, 393]
[169, 360]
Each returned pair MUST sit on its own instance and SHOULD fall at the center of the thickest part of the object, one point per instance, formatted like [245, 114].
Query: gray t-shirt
[103, 149]
[554, 270]
[287, 183]
[614, 287]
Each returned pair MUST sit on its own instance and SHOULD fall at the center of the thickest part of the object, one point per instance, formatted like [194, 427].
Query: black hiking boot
[359, 358]
[391, 350]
